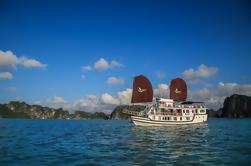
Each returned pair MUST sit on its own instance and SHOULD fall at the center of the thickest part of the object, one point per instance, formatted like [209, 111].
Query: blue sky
[143, 37]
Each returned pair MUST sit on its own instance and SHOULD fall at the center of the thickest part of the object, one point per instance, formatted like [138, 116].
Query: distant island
[235, 106]
[16, 109]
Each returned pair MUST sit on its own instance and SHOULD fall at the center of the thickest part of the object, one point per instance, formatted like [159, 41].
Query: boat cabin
[168, 110]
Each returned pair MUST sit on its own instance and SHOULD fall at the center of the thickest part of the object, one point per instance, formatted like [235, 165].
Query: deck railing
[126, 111]
[167, 113]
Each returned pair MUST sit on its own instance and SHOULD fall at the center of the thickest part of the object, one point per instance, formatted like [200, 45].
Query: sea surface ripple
[115, 142]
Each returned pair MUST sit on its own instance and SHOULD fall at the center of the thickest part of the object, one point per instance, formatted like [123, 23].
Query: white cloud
[19, 98]
[163, 86]
[160, 74]
[57, 100]
[88, 103]
[87, 68]
[6, 76]
[201, 72]
[125, 96]
[9, 60]
[37, 103]
[83, 76]
[208, 96]
[101, 64]
[30, 63]
[198, 83]
[226, 88]
[108, 99]
[115, 81]
[105, 102]
[115, 64]
[161, 91]
[92, 103]
[214, 96]
[221, 84]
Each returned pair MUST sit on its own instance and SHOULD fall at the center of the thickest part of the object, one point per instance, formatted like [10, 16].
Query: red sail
[142, 90]
[178, 90]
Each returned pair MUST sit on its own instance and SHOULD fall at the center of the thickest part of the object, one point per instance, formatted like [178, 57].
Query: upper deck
[169, 103]
[169, 107]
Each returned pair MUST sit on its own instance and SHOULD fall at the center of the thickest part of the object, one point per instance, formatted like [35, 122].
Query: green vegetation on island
[117, 113]
[16, 109]
[235, 106]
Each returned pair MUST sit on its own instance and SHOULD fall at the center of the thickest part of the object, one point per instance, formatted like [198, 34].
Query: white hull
[143, 121]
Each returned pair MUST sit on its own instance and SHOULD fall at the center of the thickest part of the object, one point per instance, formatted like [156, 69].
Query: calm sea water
[99, 142]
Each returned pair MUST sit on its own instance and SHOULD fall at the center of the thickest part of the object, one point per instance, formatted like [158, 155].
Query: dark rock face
[118, 114]
[86, 115]
[5, 112]
[214, 114]
[237, 106]
[17, 109]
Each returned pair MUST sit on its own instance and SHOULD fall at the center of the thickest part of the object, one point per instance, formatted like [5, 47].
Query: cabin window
[174, 118]
[183, 111]
[201, 111]
[168, 118]
[196, 111]
[188, 118]
[187, 111]
[180, 118]
[178, 111]
[163, 118]
[192, 111]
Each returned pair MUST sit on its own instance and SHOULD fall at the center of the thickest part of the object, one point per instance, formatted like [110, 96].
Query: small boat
[161, 111]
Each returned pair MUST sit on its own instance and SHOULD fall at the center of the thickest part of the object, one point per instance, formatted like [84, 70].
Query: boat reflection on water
[170, 145]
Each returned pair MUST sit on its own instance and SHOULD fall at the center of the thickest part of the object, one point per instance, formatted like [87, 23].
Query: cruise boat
[161, 111]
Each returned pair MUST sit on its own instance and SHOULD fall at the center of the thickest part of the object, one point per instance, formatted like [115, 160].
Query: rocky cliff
[214, 113]
[118, 114]
[17, 109]
[237, 106]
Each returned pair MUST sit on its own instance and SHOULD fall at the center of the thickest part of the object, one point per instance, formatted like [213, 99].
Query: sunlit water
[99, 142]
